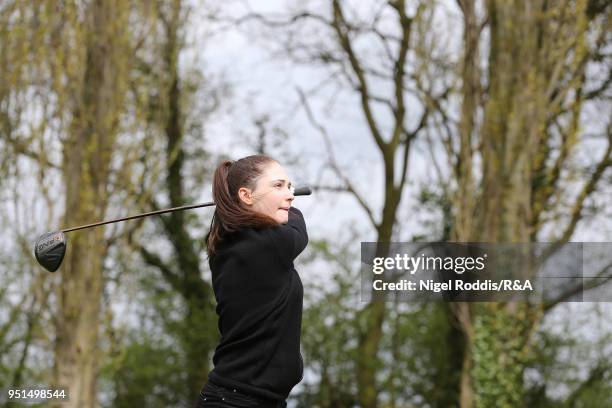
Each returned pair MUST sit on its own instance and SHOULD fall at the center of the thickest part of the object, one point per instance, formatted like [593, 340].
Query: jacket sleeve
[291, 238]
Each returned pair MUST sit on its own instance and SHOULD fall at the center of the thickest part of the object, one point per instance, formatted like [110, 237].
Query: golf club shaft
[298, 192]
[184, 207]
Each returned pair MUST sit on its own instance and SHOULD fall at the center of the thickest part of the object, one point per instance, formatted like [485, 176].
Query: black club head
[50, 249]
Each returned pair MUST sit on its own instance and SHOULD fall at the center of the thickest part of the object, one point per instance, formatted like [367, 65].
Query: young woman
[254, 237]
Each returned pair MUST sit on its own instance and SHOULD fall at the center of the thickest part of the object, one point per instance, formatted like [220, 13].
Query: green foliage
[420, 352]
[567, 370]
[329, 334]
[498, 358]
[145, 374]
[425, 352]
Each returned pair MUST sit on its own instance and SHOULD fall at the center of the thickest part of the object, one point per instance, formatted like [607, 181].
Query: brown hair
[231, 214]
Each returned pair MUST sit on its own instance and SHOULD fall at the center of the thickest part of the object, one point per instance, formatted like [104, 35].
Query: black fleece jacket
[259, 303]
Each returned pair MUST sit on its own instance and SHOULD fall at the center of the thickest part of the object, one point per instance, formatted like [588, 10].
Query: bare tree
[530, 102]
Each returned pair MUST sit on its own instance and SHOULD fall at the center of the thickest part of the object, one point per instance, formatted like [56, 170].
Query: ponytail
[231, 214]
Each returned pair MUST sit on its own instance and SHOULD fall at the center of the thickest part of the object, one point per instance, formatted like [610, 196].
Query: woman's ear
[245, 195]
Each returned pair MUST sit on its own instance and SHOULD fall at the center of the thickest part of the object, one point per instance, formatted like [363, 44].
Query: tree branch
[595, 281]
[597, 374]
[339, 24]
[23, 149]
[589, 187]
[332, 160]
[154, 260]
[409, 136]
[284, 22]
[400, 113]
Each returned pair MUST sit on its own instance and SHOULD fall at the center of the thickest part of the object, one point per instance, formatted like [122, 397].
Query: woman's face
[273, 194]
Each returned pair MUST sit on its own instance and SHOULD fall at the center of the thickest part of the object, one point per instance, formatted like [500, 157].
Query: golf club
[50, 247]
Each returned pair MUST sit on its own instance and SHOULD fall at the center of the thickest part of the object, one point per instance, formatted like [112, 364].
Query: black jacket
[259, 302]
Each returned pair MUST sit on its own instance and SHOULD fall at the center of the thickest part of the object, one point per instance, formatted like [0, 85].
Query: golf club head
[49, 250]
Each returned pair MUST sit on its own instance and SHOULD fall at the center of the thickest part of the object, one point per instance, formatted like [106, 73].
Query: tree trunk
[371, 317]
[87, 154]
[514, 127]
[199, 336]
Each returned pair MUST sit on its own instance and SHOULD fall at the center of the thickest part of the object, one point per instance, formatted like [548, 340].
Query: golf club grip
[300, 191]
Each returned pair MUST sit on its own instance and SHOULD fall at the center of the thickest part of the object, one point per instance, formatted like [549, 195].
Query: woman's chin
[282, 218]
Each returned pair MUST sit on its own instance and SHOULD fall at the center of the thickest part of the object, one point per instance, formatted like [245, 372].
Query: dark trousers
[213, 395]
